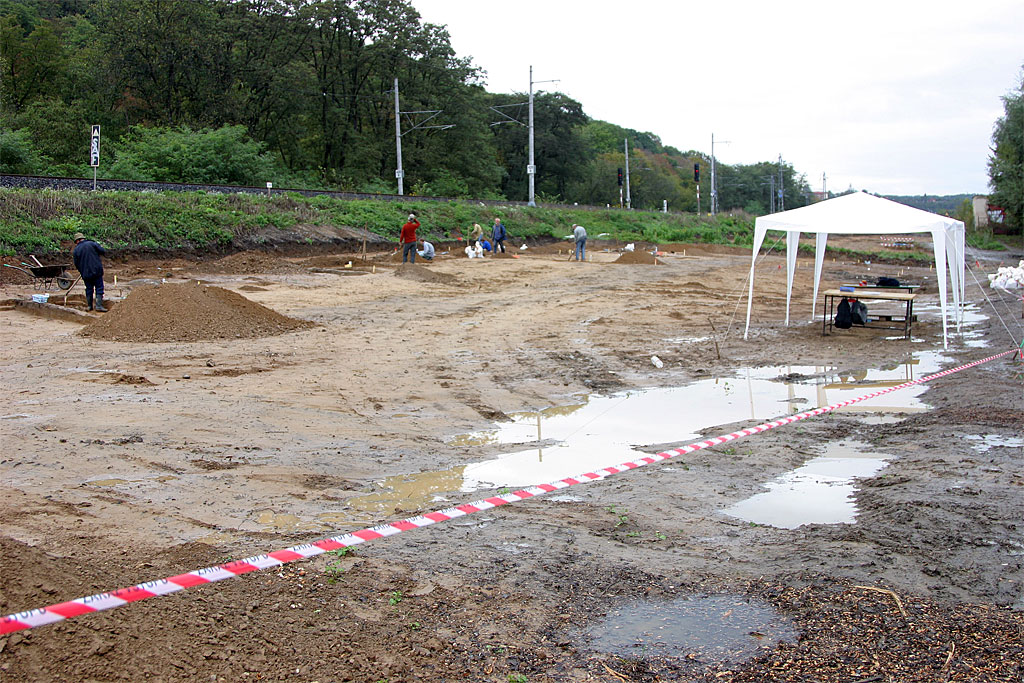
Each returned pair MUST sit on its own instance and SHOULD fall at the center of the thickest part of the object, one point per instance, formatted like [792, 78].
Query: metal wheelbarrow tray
[45, 277]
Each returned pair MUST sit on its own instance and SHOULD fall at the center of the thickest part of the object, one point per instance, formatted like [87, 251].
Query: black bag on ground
[844, 319]
[888, 282]
[859, 313]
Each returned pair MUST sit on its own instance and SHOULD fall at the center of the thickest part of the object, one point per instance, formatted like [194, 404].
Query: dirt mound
[411, 271]
[188, 312]
[637, 257]
[250, 263]
[13, 276]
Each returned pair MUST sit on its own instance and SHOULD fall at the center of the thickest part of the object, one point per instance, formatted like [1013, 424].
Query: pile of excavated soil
[412, 271]
[637, 257]
[13, 276]
[185, 312]
[250, 263]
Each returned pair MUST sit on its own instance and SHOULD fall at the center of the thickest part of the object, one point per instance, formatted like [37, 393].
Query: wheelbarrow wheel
[64, 280]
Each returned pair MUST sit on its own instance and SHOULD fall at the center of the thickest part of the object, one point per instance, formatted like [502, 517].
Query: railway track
[85, 184]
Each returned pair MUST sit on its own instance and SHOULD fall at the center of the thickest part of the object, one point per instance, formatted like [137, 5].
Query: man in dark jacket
[86, 255]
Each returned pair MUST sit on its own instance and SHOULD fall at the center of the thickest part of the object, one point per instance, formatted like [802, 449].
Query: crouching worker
[426, 250]
[86, 256]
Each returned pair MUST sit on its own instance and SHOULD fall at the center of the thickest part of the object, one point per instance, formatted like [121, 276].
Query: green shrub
[17, 154]
[222, 156]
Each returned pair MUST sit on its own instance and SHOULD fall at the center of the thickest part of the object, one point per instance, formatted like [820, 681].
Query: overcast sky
[895, 97]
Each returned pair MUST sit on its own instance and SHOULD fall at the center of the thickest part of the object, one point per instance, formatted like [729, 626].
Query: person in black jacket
[86, 255]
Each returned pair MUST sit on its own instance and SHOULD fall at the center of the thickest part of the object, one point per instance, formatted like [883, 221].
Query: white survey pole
[399, 173]
[625, 144]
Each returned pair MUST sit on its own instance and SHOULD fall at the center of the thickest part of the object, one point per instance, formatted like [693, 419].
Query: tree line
[1006, 161]
[301, 93]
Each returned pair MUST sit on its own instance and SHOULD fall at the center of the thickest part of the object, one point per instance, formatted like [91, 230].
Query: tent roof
[858, 213]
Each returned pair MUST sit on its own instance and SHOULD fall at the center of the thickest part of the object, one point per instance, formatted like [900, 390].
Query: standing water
[602, 431]
[819, 492]
[717, 629]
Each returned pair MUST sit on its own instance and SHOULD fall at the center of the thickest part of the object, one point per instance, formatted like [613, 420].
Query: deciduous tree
[1006, 162]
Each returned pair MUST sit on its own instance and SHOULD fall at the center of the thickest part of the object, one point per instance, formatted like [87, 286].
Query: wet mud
[128, 461]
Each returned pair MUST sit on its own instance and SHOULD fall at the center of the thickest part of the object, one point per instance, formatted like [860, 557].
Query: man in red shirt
[408, 239]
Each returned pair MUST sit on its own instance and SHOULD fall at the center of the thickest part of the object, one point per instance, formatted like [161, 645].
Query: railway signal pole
[531, 167]
[625, 144]
[714, 178]
[400, 172]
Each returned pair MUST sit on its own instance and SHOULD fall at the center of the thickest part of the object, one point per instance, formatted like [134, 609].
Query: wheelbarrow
[45, 277]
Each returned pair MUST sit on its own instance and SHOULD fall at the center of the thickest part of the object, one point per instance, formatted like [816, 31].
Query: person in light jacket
[580, 235]
[426, 250]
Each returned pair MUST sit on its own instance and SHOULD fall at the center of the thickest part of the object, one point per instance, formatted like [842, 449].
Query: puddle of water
[600, 431]
[215, 538]
[985, 442]
[605, 430]
[406, 492]
[913, 340]
[687, 340]
[282, 521]
[819, 492]
[719, 629]
[971, 317]
[881, 419]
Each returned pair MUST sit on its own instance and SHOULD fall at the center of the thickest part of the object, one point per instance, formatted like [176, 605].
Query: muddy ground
[129, 461]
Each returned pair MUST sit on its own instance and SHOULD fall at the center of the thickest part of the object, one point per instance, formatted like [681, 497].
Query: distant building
[980, 206]
[986, 214]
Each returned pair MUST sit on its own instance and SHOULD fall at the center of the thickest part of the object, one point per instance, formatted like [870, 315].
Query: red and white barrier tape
[122, 596]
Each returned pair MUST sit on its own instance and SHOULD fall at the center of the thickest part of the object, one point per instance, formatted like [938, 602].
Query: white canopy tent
[860, 213]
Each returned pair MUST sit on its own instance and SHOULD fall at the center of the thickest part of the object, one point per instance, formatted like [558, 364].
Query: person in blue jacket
[86, 256]
[498, 235]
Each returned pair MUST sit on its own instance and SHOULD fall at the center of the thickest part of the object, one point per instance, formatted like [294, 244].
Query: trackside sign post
[94, 153]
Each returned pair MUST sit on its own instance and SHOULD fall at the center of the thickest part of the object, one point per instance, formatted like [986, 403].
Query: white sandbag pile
[1008, 277]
